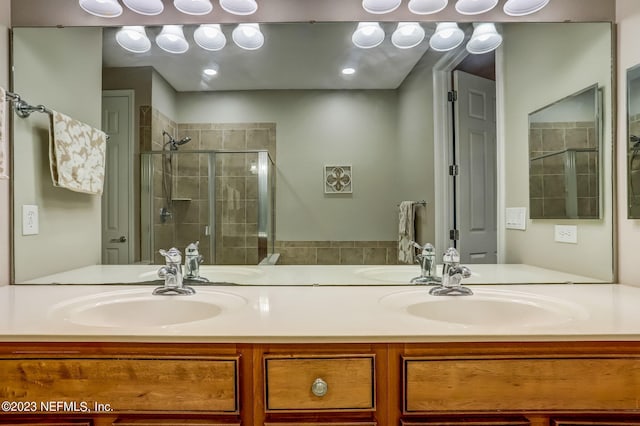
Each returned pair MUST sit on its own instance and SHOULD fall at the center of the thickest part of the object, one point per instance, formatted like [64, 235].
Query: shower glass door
[223, 199]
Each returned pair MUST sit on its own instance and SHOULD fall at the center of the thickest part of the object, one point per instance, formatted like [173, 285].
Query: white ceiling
[294, 56]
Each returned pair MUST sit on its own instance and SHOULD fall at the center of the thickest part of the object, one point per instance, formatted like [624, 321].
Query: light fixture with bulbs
[171, 39]
[427, 7]
[447, 37]
[145, 7]
[484, 39]
[348, 71]
[380, 6]
[193, 7]
[248, 36]
[210, 37]
[239, 7]
[523, 7]
[102, 8]
[407, 35]
[475, 7]
[368, 35]
[133, 39]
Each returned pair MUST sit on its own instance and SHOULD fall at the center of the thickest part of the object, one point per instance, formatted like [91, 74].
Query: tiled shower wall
[547, 190]
[236, 183]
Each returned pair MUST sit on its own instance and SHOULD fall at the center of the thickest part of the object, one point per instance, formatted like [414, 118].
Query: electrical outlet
[30, 225]
[566, 234]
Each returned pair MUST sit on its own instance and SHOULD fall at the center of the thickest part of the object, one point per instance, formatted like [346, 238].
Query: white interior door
[475, 129]
[117, 198]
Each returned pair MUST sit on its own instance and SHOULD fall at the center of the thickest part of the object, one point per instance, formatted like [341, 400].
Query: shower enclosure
[223, 199]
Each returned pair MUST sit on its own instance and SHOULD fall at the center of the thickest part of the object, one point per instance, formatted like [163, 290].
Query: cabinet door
[171, 422]
[596, 422]
[467, 422]
[45, 422]
[321, 424]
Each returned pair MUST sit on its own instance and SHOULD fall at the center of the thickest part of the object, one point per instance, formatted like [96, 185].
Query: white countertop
[271, 314]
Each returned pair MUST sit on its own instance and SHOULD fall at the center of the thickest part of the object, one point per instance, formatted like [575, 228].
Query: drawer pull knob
[319, 387]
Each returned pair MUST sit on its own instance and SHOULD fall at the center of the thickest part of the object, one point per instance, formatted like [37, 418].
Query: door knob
[122, 239]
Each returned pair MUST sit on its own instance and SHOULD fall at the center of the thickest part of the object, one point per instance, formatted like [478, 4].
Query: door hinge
[454, 170]
[452, 95]
[454, 234]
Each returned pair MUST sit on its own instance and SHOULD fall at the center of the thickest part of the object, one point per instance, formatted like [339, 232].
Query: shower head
[174, 143]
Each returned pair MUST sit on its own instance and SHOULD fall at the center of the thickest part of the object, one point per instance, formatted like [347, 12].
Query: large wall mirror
[262, 138]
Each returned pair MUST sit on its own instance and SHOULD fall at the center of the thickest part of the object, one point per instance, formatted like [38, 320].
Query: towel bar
[23, 109]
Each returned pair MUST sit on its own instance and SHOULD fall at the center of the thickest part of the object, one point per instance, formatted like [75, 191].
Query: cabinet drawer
[467, 422]
[134, 385]
[349, 383]
[322, 424]
[434, 385]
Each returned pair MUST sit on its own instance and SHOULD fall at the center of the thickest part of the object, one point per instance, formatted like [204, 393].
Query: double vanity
[538, 354]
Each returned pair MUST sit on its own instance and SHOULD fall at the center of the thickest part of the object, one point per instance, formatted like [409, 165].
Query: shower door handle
[122, 239]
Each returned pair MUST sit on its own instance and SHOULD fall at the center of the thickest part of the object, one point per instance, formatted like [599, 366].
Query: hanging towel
[76, 155]
[4, 135]
[406, 232]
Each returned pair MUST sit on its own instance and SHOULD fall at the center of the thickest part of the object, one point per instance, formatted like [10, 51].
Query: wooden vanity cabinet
[435, 384]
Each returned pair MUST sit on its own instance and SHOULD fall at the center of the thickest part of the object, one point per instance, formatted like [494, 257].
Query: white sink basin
[139, 308]
[487, 308]
[230, 274]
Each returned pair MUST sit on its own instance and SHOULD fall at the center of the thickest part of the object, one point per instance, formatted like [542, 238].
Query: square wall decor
[338, 180]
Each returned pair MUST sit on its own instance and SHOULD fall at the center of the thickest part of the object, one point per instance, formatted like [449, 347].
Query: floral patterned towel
[76, 154]
[406, 232]
[4, 136]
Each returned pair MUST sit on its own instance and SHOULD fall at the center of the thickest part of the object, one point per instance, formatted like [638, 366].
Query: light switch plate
[516, 218]
[30, 220]
[566, 234]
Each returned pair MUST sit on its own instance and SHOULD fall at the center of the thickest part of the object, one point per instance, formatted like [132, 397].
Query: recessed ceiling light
[171, 39]
[380, 6]
[447, 37]
[210, 71]
[145, 7]
[475, 7]
[102, 8]
[210, 37]
[523, 7]
[485, 38]
[427, 7]
[239, 7]
[348, 71]
[134, 39]
[368, 35]
[248, 36]
[407, 35]
[193, 7]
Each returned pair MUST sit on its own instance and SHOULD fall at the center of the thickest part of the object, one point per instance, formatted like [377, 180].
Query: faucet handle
[172, 255]
[451, 256]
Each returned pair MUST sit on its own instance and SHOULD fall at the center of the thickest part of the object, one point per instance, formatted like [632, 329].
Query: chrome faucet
[192, 261]
[171, 272]
[427, 261]
[452, 275]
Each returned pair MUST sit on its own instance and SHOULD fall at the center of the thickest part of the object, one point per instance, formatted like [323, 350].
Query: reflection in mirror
[564, 148]
[633, 132]
[289, 102]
